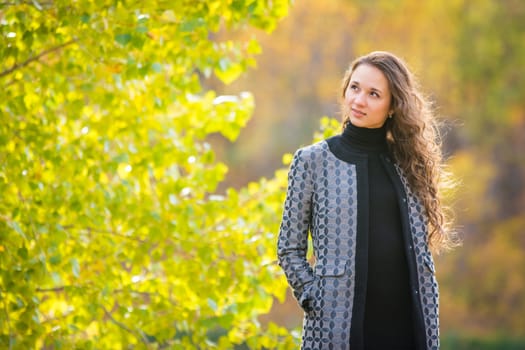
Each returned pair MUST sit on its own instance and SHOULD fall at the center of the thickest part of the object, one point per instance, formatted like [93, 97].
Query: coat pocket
[330, 270]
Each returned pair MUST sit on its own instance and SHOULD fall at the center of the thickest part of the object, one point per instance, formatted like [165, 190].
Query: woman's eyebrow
[372, 88]
[376, 90]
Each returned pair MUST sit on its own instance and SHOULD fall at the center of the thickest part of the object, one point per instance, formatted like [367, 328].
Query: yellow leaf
[123, 170]
[287, 158]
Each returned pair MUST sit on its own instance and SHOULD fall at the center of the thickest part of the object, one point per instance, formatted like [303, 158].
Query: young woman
[369, 198]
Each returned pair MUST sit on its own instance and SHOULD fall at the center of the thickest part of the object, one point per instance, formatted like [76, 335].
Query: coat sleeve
[292, 243]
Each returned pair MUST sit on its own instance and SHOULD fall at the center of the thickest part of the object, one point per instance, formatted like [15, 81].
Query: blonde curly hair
[414, 142]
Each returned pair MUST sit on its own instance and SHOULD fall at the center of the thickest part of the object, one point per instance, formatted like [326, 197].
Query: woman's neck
[364, 139]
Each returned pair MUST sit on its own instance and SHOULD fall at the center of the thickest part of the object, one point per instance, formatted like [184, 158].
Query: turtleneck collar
[364, 139]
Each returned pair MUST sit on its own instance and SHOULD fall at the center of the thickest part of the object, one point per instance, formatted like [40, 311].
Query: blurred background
[469, 58]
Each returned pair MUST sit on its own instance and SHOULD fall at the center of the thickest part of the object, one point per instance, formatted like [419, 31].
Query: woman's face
[367, 97]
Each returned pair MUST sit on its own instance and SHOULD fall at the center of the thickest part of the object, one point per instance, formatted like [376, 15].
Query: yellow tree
[111, 233]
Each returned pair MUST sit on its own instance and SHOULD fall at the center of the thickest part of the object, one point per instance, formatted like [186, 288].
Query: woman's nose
[359, 98]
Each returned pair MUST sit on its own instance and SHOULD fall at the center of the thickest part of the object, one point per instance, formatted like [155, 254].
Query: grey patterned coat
[327, 196]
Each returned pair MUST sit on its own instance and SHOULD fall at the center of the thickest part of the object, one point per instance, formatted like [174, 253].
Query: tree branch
[46, 290]
[100, 231]
[8, 321]
[120, 324]
[36, 58]
[38, 5]
[123, 326]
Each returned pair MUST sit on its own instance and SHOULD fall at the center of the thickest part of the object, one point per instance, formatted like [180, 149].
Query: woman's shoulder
[312, 151]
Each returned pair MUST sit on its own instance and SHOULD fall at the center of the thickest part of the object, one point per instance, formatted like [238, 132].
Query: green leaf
[84, 18]
[55, 259]
[23, 252]
[191, 25]
[212, 304]
[123, 39]
[18, 229]
[75, 268]
[156, 67]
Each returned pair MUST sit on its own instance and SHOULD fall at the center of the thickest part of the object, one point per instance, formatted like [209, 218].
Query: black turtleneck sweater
[388, 320]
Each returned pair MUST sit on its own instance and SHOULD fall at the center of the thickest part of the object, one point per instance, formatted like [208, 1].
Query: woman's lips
[357, 113]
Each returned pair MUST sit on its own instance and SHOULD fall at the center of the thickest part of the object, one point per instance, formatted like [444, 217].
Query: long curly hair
[414, 142]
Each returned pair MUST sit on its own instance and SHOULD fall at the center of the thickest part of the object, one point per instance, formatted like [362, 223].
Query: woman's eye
[374, 94]
[353, 87]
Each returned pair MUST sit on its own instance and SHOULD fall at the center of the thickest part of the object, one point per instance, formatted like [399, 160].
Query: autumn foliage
[129, 218]
[112, 234]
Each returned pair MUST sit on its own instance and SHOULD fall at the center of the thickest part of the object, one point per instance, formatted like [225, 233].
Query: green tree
[111, 233]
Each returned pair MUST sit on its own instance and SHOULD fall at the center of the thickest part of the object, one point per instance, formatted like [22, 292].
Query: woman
[369, 197]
